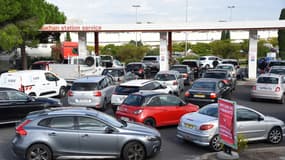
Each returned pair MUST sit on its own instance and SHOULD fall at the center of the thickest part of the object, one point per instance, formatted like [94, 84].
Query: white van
[38, 83]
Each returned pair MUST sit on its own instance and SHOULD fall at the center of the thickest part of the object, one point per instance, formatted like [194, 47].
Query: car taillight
[206, 127]
[97, 93]
[253, 87]
[69, 93]
[213, 95]
[175, 83]
[20, 129]
[140, 70]
[277, 89]
[187, 94]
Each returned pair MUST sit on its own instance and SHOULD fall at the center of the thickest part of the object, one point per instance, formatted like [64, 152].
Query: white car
[207, 61]
[173, 79]
[269, 86]
[124, 89]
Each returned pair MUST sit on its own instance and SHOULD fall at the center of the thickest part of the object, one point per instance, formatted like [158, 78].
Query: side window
[3, 96]
[168, 100]
[51, 77]
[156, 85]
[86, 123]
[61, 123]
[17, 96]
[155, 101]
[246, 115]
[149, 86]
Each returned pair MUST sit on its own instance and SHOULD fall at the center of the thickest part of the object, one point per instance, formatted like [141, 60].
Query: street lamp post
[231, 12]
[136, 7]
[186, 34]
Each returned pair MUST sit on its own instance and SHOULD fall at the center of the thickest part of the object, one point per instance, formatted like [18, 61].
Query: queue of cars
[140, 105]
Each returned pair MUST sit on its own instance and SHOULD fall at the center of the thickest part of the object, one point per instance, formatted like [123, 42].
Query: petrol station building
[166, 30]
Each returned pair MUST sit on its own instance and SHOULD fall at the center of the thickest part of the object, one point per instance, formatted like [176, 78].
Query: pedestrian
[215, 63]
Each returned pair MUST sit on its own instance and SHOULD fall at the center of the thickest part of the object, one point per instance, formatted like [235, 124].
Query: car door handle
[52, 134]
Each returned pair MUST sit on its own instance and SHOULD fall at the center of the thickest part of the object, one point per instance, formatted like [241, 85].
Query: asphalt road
[173, 148]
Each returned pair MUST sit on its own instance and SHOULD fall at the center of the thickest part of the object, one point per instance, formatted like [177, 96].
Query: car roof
[149, 93]
[24, 72]
[278, 67]
[168, 72]
[235, 60]
[135, 63]
[190, 60]
[136, 82]
[179, 65]
[226, 64]
[114, 68]
[238, 106]
[216, 70]
[44, 62]
[270, 75]
[207, 80]
[7, 89]
[89, 79]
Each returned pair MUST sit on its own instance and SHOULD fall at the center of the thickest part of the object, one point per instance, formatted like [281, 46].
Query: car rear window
[164, 77]
[225, 67]
[190, 64]
[134, 100]
[230, 62]
[205, 86]
[133, 67]
[38, 66]
[270, 80]
[278, 71]
[276, 64]
[113, 72]
[179, 69]
[149, 59]
[209, 111]
[218, 75]
[125, 90]
[84, 86]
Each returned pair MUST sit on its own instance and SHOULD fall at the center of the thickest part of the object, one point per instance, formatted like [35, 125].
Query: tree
[281, 37]
[21, 28]
[67, 37]
[202, 49]
[225, 35]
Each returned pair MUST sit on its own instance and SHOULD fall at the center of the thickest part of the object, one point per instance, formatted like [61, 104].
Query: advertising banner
[227, 122]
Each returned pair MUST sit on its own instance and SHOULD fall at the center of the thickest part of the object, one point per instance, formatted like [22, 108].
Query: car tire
[275, 135]
[134, 150]
[62, 92]
[215, 143]
[39, 150]
[150, 122]
[282, 100]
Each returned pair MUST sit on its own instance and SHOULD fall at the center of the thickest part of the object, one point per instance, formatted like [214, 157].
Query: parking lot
[173, 148]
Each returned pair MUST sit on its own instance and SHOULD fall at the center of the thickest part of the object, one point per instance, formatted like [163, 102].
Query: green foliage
[262, 50]
[180, 47]
[225, 49]
[153, 51]
[241, 142]
[9, 36]
[281, 37]
[9, 9]
[202, 49]
[225, 35]
[273, 41]
[67, 37]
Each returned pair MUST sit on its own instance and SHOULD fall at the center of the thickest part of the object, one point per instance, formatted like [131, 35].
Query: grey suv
[82, 133]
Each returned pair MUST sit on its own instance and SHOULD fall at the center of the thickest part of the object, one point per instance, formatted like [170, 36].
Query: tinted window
[3, 96]
[50, 77]
[165, 77]
[38, 66]
[61, 123]
[126, 89]
[167, 100]
[209, 111]
[17, 96]
[84, 86]
[277, 64]
[155, 101]
[149, 86]
[190, 64]
[246, 115]
[113, 72]
[134, 100]
[149, 58]
[86, 123]
[202, 58]
[206, 86]
[218, 75]
[277, 71]
[133, 67]
[271, 80]
[179, 69]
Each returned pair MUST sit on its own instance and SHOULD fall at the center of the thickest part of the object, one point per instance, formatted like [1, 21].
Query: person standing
[215, 63]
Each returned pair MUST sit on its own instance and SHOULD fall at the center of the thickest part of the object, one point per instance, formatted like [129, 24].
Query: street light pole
[186, 34]
[231, 12]
[136, 7]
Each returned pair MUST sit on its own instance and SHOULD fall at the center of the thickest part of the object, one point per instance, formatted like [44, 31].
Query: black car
[222, 75]
[207, 90]
[185, 71]
[139, 68]
[194, 66]
[15, 105]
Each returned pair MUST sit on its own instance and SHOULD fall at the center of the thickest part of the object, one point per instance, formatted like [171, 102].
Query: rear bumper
[266, 95]
[200, 102]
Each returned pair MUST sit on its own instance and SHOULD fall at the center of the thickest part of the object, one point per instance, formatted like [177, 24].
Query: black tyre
[62, 92]
[89, 61]
[150, 122]
[275, 135]
[282, 100]
[134, 151]
[215, 143]
[39, 152]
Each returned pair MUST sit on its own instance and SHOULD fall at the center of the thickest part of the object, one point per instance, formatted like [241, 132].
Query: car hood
[141, 128]
[273, 119]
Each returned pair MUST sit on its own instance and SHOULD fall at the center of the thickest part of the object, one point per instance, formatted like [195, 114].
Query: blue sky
[168, 11]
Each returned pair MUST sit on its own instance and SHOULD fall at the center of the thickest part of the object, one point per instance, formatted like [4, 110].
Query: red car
[154, 109]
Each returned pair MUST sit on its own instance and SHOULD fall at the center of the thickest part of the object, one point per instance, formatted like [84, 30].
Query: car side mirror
[109, 129]
[260, 118]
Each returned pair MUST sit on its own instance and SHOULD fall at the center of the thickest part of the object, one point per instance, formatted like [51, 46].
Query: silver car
[173, 79]
[82, 133]
[269, 86]
[91, 91]
[119, 75]
[202, 127]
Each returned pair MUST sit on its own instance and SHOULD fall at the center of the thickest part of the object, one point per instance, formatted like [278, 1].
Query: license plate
[125, 119]
[265, 88]
[83, 100]
[187, 125]
[199, 95]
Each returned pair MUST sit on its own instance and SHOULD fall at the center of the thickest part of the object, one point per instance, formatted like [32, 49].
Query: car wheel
[39, 152]
[216, 144]
[275, 135]
[134, 151]
[282, 100]
[150, 122]
[62, 92]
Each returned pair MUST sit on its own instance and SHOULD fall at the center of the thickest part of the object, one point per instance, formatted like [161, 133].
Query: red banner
[227, 122]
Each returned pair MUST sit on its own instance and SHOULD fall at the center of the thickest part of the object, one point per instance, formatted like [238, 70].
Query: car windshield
[179, 69]
[133, 67]
[278, 71]
[209, 111]
[230, 62]
[110, 119]
[218, 75]
[270, 80]
[206, 86]
[84, 86]
[164, 77]
[134, 100]
[125, 90]
[113, 72]
[225, 67]
[149, 59]
[190, 64]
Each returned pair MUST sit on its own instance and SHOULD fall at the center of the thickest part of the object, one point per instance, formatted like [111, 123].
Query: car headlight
[151, 138]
